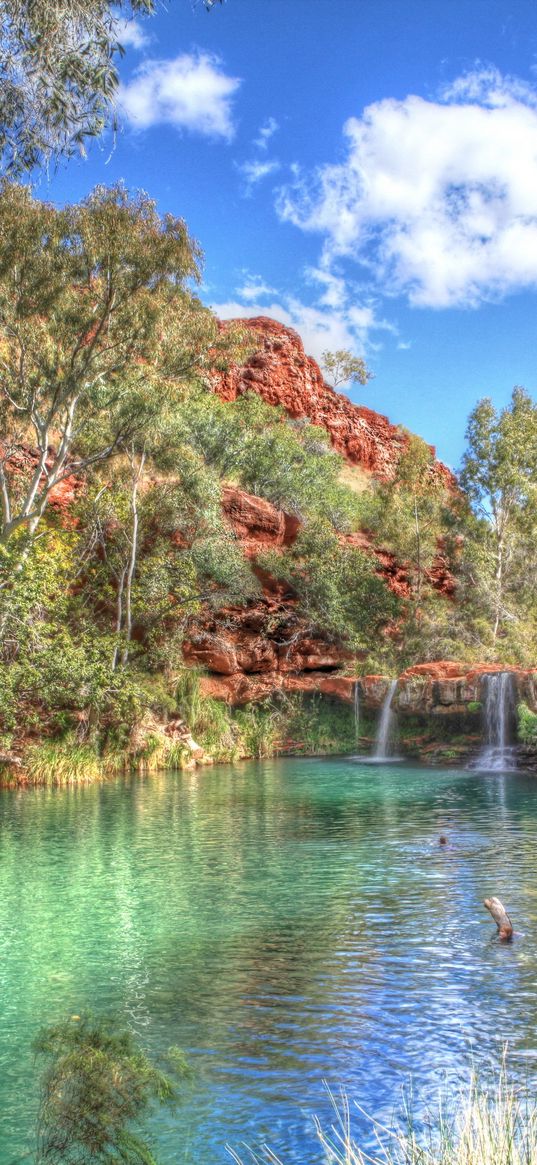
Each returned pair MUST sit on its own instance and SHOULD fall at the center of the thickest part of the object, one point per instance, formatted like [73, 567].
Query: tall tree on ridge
[499, 474]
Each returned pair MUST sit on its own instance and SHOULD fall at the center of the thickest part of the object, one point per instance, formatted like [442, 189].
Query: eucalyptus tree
[341, 367]
[98, 325]
[59, 75]
[499, 475]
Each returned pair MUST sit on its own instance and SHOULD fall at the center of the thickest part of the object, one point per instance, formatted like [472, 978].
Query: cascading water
[357, 712]
[499, 702]
[384, 737]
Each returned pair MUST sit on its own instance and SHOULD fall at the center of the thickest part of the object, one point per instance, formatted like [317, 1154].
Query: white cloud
[266, 132]
[131, 34]
[335, 288]
[253, 288]
[255, 171]
[321, 328]
[190, 92]
[486, 86]
[438, 199]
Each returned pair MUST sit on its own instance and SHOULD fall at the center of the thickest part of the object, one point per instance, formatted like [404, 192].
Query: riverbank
[436, 714]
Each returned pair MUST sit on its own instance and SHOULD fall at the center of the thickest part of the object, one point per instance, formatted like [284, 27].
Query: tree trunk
[137, 473]
[501, 918]
[119, 615]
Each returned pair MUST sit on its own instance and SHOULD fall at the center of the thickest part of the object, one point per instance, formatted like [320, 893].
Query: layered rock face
[445, 688]
[266, 647]
[281, 373]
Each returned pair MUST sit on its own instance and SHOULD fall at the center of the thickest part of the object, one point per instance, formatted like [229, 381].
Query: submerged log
[501, 918]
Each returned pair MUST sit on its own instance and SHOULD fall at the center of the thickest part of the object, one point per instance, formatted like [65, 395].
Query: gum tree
[97, 325]
[499, 474]
[58, 64]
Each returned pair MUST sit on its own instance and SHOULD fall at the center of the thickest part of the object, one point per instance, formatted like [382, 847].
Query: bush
[96, 1086]
[527, 724]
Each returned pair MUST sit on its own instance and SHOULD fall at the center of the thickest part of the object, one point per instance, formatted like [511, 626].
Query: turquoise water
[286, 923]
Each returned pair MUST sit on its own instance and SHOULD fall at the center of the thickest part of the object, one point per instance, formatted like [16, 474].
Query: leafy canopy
[58, 64]
[341, 367]
[97, 329]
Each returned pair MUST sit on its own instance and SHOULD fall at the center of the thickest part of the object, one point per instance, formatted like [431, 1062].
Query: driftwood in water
[501, 918]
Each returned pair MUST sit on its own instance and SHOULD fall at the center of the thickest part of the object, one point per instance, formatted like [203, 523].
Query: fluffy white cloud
[254, 287]
[266, 132]
[190, 92]
[131, 34]
[437, 198]
[321, 328]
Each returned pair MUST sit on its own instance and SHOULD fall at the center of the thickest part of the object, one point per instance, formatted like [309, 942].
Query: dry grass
[51, 763]
[480, 1127]
[355, 478]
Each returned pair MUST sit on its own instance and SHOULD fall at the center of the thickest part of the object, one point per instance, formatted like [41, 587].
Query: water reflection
[285, 923]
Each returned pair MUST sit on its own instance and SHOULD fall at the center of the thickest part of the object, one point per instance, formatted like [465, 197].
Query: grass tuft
[62, 763]
[480, 1127]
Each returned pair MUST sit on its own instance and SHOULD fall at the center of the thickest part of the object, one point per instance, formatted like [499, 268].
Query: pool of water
[287, 923]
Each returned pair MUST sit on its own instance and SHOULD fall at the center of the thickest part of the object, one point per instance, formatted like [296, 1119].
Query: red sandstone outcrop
[240, 689]
[281, 373]
[267, 638]
[256, 522]
[253, 651]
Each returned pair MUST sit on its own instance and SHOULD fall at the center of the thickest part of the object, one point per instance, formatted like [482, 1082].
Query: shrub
[527, 724]
[96, 1085]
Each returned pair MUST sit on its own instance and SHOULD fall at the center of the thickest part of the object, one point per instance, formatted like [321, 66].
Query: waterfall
[497, 754]
[357, 711]
[385, 728]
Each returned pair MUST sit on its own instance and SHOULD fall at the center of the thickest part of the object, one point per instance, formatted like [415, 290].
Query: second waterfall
[384, 740]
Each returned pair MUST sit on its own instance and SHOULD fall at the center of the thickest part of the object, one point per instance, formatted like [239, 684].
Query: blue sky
[364, 170]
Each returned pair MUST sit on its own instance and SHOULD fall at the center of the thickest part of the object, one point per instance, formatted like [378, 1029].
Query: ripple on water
[285, 922]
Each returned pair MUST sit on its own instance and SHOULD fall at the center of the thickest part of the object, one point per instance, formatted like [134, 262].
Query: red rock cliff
[281, 373]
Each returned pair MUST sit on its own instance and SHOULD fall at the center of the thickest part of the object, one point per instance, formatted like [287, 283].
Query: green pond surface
[286, 923]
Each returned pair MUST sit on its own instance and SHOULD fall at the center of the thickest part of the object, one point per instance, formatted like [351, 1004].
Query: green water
[285, 923]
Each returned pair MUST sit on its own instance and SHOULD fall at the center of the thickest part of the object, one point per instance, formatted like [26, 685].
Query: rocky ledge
[280, 372]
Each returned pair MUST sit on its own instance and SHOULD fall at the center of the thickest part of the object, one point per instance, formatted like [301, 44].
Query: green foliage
[87, 363]
[337, 586]
[59, 75]
[290, 463]
[341, 367]
[258, 727]
[499, 474]
[414, 511]
[96, 1086]
[317, 724]
[474, 706]
[527, 724]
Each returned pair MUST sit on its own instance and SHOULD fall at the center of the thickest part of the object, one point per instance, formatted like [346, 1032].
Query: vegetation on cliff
[114, 450]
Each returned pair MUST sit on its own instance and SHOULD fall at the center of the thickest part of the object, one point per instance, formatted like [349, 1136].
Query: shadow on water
[285, 922]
